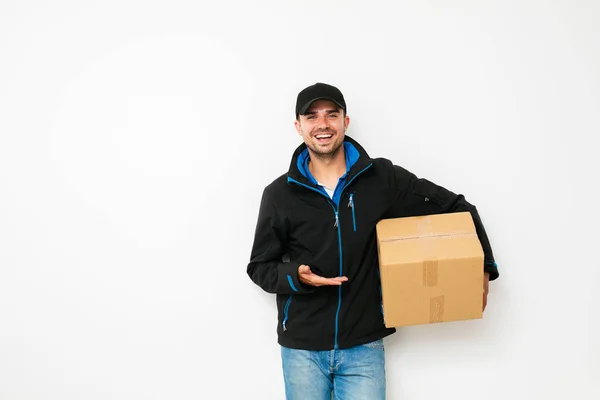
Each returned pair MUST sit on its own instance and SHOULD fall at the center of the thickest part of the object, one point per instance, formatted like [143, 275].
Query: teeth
[323, 136]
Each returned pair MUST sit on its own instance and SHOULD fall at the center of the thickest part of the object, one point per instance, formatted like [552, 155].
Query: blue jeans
[354, 373]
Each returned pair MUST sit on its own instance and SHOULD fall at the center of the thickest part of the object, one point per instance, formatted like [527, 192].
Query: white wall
[136, 138]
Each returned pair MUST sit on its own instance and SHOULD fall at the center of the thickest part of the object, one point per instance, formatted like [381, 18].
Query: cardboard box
[431, 269]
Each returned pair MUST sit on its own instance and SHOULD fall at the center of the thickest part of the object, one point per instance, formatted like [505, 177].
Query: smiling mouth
[328, 136]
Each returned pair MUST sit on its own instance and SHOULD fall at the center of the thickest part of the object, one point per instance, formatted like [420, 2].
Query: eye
[310, 117]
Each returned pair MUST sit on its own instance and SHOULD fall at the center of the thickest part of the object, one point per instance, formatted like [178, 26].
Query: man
[315, 247]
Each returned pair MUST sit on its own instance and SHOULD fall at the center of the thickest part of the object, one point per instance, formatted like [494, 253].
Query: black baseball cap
[318, 91]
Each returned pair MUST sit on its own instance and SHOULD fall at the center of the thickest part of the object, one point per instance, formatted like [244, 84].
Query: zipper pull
[335, 225]
[351, 202]
[284, 328]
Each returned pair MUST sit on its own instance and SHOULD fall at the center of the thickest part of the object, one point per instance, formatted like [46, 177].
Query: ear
[298, 127]
[346, 122]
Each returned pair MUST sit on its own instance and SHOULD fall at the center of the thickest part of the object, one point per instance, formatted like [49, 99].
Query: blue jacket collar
[350, 151]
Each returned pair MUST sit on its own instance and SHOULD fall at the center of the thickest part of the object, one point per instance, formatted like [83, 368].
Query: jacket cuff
[288, 279]
[492, 268]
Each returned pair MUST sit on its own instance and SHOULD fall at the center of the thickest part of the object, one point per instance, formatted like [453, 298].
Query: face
[323, 128]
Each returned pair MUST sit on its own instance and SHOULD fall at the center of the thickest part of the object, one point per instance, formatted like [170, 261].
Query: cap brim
[306, 106]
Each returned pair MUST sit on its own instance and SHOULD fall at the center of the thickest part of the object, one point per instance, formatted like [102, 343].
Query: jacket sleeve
[266, 267]
[417, 196]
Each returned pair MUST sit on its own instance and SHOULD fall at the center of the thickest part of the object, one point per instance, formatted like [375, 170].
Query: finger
[337, 280]
[332, 281]
[314, 280]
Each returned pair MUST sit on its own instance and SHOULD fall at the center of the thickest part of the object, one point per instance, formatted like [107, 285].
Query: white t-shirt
[327, 189]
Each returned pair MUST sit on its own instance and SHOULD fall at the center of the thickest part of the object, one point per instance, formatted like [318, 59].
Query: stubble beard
[326, 155]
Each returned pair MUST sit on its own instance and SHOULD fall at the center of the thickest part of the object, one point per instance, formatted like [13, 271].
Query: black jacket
[299, 223]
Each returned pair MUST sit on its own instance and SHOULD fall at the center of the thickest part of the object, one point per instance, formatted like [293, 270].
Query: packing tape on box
[429, 253]
[436, 309]
[430, 273]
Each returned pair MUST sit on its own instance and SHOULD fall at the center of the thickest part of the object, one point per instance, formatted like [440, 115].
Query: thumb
[304, 269]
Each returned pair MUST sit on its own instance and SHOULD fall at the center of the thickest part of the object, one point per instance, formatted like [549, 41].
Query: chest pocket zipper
[351, 205]
[430, 192]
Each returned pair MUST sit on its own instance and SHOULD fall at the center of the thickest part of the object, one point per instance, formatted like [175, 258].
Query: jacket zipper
[285, 312]
[351, 205]
[336, 225]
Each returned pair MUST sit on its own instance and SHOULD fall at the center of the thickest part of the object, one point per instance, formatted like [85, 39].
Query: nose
[322, 122]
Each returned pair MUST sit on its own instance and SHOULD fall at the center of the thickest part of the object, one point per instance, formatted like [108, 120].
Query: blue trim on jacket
[352, 156]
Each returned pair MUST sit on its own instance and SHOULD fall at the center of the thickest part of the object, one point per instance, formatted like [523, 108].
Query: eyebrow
[331, 111]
